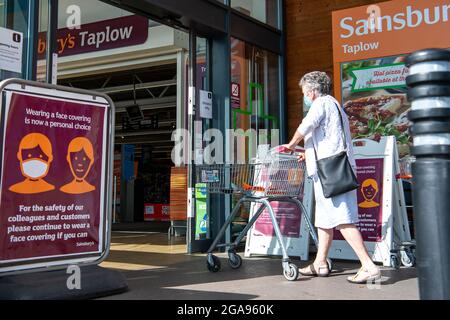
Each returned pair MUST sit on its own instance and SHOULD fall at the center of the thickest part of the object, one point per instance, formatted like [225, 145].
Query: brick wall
[309, 45]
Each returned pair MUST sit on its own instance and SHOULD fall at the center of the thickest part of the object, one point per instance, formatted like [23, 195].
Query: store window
[2, 13]
[254, 95]
[14, 19]
[255, 108]
[263, 10]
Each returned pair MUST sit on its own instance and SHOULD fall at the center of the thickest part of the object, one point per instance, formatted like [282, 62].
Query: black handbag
[335, 173]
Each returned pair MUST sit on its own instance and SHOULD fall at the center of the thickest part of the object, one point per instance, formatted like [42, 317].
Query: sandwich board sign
[383, 221]
[55, 176]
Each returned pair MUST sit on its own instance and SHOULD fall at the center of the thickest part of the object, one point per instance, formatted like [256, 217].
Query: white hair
[317, 81]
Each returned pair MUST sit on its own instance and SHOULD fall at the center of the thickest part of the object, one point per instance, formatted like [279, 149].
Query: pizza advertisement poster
[370, 44]
[374, 99]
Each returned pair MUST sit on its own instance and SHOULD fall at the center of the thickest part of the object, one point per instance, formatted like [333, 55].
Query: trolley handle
[285, 150]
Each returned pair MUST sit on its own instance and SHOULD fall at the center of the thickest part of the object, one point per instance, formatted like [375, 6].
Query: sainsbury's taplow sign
[96, 36]
[390, 28]
[408, 18]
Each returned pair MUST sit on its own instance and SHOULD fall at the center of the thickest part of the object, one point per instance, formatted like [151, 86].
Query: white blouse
[322, 126]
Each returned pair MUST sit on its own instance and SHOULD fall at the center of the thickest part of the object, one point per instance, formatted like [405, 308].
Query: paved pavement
[158, 269]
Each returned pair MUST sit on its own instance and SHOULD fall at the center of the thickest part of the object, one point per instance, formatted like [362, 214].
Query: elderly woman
[322, 130]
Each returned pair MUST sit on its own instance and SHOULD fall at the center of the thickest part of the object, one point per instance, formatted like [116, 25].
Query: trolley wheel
[395, 263]
[234, 260]
[213, 263]
[408, 258]
[330, 264]
[291, 273]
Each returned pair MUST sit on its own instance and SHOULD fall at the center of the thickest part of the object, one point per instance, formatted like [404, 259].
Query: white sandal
[364, 276]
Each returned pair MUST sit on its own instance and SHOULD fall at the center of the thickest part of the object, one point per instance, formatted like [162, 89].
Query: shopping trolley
[278, 177]
[404, 249]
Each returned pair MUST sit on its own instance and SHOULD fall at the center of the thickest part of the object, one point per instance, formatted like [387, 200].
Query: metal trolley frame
[278, 177]
[404, 251]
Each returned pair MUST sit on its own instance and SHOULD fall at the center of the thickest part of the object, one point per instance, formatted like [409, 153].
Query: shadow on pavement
[168, 272]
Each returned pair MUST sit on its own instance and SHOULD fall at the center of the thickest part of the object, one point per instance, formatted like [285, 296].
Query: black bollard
[429, 92]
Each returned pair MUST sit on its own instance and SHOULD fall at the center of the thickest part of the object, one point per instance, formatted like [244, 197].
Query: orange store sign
[370, 44]
[390, 28]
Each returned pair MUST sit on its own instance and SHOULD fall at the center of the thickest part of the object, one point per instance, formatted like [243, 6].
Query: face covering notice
[11, 44]
[52, 186]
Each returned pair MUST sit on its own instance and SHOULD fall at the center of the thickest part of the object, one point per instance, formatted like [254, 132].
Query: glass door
[255, 108]
[199, 231]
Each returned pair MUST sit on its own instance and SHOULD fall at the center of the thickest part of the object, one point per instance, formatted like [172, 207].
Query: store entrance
[159, 76]
[146, 115]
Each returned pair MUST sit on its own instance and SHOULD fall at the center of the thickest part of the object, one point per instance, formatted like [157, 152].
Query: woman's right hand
[301, 157]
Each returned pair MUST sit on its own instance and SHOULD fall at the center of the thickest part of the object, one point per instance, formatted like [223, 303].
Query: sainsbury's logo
[410, 18]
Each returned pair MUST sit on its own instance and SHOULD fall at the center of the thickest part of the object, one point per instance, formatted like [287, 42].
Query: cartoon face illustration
[35, 156]
[369, 192]
[34, 163]
[80, 163]
[34, 153]
[80, 157]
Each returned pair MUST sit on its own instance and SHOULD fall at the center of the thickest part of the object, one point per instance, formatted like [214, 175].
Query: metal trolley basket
[278, 177]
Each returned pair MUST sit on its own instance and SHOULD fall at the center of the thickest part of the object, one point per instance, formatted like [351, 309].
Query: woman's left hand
[284, 149]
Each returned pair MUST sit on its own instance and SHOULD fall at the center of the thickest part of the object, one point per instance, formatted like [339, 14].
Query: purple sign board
[370, 199]
[97, 36]
[288, 216]
[52, 189]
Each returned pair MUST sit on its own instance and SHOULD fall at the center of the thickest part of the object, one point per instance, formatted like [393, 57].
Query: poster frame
[80, 259]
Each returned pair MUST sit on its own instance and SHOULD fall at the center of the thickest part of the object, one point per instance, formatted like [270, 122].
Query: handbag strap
[343, 132]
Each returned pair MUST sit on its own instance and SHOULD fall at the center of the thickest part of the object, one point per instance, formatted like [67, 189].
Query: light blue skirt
[334, 211]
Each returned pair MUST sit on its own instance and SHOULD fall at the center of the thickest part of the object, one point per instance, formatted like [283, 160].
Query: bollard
[429, 92]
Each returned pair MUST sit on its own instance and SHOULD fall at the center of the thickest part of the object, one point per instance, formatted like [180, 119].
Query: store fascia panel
[160, 48]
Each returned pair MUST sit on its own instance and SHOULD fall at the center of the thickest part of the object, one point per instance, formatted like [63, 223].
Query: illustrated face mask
[34, 169]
